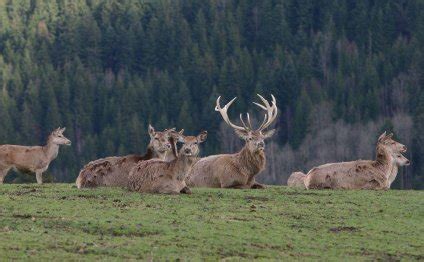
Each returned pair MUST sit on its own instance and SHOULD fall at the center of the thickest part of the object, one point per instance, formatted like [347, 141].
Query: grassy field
[58, 221]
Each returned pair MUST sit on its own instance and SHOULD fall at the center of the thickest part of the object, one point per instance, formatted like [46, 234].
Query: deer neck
[251, 162]
[393, 174]
[51, 150]
[166, 156]
[181, 166]
[386, 163]
[150, 153]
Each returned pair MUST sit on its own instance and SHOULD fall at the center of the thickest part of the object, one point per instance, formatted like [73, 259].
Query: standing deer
[237, 170]
[158, 176]
[35, 159]
[113, 171]
[361, 174]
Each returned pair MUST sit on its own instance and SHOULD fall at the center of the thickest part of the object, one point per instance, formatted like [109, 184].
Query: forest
[342, 71]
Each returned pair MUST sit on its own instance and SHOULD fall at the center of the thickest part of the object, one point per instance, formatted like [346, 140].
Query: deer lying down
[158, 176]
[361, 174]
[296, 179]
[113, 171]
[35, 159]
[236, 170]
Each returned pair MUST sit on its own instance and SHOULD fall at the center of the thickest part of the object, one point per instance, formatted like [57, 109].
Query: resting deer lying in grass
[237, 170]
[296, 179]
[361, 174]
[113, 171]
[158, 176]
[35, 159]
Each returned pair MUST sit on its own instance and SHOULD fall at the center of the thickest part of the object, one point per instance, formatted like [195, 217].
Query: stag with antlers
[237, 170]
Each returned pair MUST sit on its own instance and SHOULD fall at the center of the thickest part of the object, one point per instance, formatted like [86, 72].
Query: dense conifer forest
[342, 72]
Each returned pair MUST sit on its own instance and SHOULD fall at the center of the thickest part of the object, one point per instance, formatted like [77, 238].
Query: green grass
[58, 221]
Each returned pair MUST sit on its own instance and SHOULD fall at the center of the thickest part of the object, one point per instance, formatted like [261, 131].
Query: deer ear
[243, 134]
[181, 139]
[151, 131]
[202, 136]
[382, 137]
[269, 133]
[389, 135]
[62, 130]
[181, 131]
[175, 135]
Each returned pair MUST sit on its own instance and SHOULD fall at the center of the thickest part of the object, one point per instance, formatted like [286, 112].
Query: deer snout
[261, 144]
[187, 151]
[168, 146]
[407, 162]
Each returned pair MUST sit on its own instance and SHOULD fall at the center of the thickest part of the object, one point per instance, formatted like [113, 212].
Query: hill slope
[58, 221]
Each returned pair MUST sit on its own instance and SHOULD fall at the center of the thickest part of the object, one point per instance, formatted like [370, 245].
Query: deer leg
[240, 186]
[39, 176]
[3, 174]
[258, 186]
[255, 185]
[186, 190]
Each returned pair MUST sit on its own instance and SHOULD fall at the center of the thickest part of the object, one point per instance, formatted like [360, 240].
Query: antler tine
[244, 124]
[264, 100]
[272, 111]
[248, 121]
[261, 106]
[263, 122]
[223, 112]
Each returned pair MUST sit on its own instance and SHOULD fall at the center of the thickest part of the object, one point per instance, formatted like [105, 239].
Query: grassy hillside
[61, 222]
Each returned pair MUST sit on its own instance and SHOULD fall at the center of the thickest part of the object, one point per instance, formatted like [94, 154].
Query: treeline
[105, 69]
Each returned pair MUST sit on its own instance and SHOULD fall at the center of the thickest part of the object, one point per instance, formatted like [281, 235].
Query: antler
[271, 112]
[223, 112]
[270, 116]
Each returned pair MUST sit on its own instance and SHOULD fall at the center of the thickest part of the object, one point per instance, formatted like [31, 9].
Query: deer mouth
[68, 143]
[188, 153]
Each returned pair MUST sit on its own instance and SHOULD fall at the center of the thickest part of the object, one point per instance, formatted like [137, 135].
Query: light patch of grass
[58, 221]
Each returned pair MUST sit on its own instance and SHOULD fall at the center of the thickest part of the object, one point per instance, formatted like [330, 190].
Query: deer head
[393, 148]
[160, 141]
[254, 138]
[387, 141]
[57, 137]
[400, 160]
[190, 145]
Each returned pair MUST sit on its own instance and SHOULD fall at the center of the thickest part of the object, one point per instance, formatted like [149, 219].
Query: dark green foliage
[105, 69]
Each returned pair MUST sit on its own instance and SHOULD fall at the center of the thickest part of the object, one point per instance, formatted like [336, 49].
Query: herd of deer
[165, 169]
